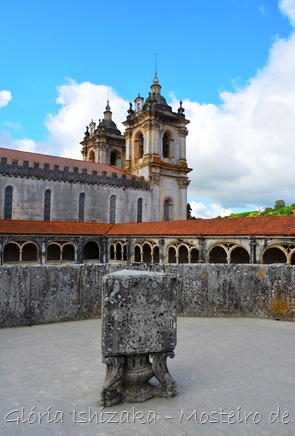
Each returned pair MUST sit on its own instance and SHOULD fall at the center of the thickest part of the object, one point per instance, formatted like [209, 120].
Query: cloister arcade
[141, 250]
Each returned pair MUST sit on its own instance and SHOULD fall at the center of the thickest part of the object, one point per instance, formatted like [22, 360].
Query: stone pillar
[253, 250]
[138, 334]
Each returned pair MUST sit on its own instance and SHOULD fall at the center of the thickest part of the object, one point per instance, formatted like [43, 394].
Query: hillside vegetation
[279, 208]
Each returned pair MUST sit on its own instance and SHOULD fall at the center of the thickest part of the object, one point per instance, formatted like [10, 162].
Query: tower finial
[156, 65]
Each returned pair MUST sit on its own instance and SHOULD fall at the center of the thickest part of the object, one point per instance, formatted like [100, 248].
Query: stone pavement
[235, 376]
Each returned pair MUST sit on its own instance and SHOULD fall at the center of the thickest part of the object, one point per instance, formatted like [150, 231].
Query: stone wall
[42, 294]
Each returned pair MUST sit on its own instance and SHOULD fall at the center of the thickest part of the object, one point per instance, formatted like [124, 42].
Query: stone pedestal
[138, 334]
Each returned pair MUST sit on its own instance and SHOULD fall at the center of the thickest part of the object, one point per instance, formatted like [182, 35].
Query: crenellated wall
[41, 294]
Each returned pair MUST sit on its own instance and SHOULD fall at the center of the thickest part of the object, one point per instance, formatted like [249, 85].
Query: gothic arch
[118, 251]
[194, 255]
[182, 253]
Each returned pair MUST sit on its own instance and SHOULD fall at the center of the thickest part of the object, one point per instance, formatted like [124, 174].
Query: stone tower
[104, 143]
[156, 150]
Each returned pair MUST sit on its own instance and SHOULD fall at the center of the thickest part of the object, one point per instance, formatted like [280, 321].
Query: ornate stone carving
[138, 334]
[155, 178]
[183, 182]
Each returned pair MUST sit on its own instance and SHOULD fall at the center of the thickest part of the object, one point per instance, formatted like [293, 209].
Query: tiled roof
[279, 225]
[268, 226]
[61, 161]
[19, 227]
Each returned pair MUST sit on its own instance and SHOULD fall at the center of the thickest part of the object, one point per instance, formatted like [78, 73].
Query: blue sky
[230, 61]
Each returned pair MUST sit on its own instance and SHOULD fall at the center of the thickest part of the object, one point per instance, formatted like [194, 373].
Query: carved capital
[183, 182]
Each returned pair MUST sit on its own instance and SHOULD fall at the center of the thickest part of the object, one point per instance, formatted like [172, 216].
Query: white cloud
[6, 141]
[80, 103]
[288, 8]
[200, 210]
[5, 98]
[243, 151]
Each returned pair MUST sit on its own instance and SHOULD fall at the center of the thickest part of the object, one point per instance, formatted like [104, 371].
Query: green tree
[279, 204]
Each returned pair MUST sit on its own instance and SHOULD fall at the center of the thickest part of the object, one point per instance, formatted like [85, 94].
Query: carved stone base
[127, 378]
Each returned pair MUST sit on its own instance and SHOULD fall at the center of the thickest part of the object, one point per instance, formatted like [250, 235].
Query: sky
[231, 62]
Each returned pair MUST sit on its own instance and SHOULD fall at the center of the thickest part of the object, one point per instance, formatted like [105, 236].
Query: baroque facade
[135, 177]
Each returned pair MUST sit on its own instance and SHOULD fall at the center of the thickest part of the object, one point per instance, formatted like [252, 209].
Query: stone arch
[156, 254]
[239, 255]
[275, 254]
[292, 257]
[91, 251]
[147, 253]
[172, 255]
[29, 252]
[11, 252]
[68, 251]
[194, 255]
[53, 252]
[182, 254]
[218, 254]
[168, 209]
[116, 158]
[137, 254]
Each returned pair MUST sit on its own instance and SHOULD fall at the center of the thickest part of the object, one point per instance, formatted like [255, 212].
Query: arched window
[81, 207]
[92, 156]
[115, 158]
[112, 209]
[8, 203]
[47, 205]
[168, 209]
[166, 145]
[139, 210]
[139, 146]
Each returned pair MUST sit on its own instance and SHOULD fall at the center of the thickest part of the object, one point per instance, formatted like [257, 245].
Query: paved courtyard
[235, 376]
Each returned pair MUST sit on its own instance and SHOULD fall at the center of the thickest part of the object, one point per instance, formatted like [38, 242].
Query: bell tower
[156, 150]
[103, 143]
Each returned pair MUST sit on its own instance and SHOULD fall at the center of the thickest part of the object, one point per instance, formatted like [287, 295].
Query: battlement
[56, 174]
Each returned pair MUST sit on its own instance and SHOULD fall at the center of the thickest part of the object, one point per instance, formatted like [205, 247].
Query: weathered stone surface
[139, 312]
[74, 291]
[138, 334]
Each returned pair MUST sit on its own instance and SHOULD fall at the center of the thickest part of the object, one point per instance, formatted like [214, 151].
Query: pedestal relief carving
[138, 335]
